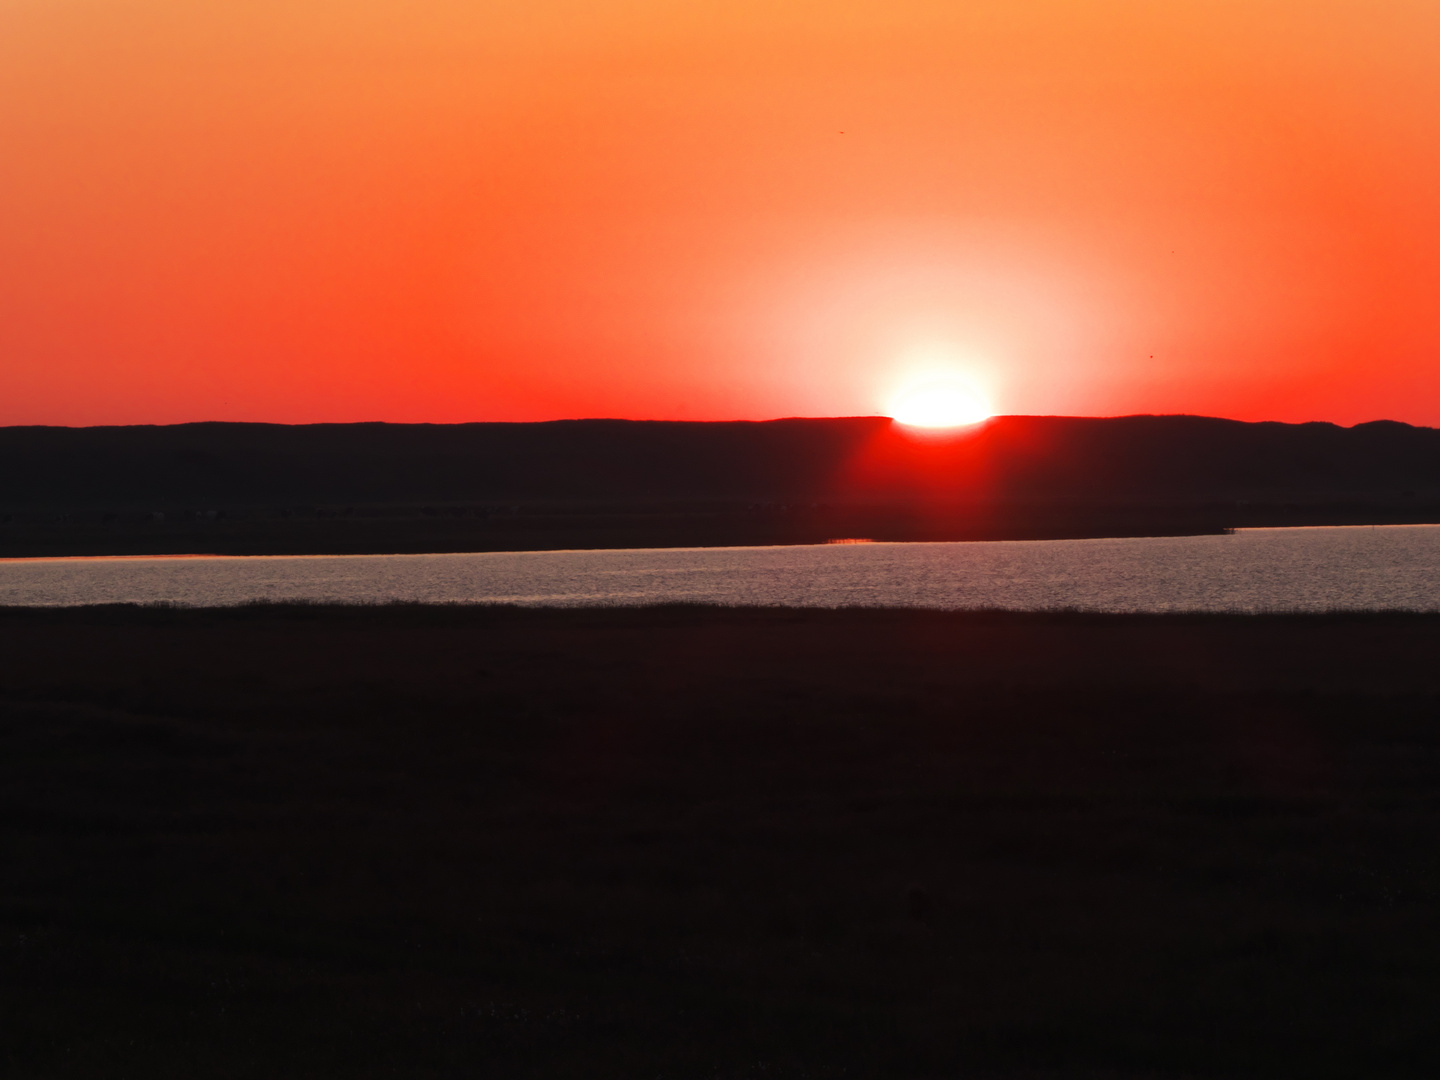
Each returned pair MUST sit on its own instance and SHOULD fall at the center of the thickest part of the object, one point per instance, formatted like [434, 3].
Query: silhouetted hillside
[633, 483]
[580, 460]
[1149, 457]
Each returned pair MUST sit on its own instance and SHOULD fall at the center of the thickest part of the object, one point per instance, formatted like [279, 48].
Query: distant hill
[65, 481]
[1145, 457]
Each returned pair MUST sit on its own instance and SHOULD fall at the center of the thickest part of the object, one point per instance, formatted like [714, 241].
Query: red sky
[444, 210]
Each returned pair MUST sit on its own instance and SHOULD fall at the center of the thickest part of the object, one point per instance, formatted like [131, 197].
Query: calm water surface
[1392, 567]
[1256, 569]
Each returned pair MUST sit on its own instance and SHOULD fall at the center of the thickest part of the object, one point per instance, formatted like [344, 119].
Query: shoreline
[459, 530]
[834, 541]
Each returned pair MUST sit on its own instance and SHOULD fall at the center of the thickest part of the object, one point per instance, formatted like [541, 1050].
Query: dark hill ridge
[571, 460]
[1149, 457]
[352, 487]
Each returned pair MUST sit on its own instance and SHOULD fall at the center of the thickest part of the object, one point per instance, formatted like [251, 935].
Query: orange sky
[303, 210]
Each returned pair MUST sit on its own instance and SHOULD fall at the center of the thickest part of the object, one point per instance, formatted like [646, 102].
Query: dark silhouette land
[301, 841]
[450, 842]
[353, 488]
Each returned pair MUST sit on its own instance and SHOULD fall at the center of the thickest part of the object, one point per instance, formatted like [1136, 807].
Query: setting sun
[940, 403]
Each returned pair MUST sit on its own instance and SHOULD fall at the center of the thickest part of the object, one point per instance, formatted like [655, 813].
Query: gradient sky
[445, 210]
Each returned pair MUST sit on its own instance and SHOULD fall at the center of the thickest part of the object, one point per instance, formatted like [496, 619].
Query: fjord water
[1252, 570]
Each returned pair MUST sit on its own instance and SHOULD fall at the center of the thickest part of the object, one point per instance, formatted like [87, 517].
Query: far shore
[397, 530]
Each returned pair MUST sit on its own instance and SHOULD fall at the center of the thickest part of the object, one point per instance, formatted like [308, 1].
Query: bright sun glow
[940, 403]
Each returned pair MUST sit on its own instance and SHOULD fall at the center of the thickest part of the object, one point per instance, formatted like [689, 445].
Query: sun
[940, 403]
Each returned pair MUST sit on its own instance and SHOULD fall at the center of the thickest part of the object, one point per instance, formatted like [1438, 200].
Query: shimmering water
[1391, 567]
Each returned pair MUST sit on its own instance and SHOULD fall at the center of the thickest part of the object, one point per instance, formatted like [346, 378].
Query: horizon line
[655, 420]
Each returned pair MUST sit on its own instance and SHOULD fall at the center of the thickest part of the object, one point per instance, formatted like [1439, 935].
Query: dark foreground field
[286, 842]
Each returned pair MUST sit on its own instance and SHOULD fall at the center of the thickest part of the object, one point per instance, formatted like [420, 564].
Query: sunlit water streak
[1385, 568]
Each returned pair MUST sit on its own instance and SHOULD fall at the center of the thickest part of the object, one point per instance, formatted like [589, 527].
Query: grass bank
[683, 842]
